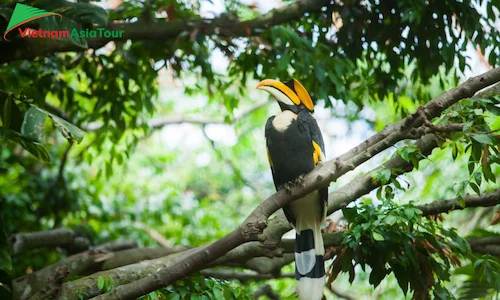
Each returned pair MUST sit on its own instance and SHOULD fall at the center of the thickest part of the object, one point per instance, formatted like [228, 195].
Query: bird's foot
[288, 187]
[299, 181]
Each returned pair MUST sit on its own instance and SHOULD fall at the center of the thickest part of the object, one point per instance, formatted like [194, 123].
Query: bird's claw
[288, 187]
[300, 181]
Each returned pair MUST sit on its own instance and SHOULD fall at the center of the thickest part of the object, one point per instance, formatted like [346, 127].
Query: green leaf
[410, 212]
[108, 284]
[475, 188]
[461, 201]
[33, 125]
[391, 220]
[350, 213]
[100, 282]
[493, 109]
[32, 147]
[467, 126]
[69, 131]
[218, 293]
[477, 149]
[377, 236]
[385, 175]
[482, 138]
[488, 174]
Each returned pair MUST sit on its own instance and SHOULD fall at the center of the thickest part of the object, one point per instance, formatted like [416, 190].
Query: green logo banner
[23, 14]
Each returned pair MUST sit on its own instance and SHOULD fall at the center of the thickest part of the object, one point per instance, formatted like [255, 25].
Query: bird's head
[291, 95]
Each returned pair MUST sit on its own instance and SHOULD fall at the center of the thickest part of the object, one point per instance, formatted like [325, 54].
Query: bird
[294, 148]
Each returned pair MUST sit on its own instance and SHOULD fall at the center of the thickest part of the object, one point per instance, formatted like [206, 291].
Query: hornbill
[294, 147]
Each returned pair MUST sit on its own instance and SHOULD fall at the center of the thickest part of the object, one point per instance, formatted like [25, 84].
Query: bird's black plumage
[291, 153]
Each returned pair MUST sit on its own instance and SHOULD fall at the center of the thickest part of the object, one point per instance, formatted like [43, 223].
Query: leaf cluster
[30, 133]
[392, 238]
[200, 288]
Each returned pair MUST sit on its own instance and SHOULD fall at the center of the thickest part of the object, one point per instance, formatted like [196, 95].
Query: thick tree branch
[252, 227]
[487, 249]
[88, 262]
[443, 206]
[477, 242]
[24, 287]
[23, 242]
[166, 31]
[486, 245]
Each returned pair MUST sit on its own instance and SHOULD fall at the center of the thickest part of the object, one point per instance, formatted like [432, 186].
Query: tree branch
[486, 245]
[23, 242]
[166, 31]
[87, 262]
[443, 206]
[117, 245]
[252, 227]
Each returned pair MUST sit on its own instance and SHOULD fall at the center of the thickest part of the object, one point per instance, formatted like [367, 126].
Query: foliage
[483, 278]
[396, 238]
[30, 133]
[200, 288]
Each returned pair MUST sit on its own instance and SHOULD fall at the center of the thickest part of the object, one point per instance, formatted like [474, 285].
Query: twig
[155, 235]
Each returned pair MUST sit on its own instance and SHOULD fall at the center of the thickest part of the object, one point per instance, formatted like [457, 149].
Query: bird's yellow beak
[291, 96]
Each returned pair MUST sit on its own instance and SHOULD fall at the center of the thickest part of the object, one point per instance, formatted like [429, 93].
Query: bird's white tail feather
[309, 249]
[310, 288]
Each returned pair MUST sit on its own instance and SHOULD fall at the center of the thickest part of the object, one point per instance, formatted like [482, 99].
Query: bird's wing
[308, 122]
[309, 125]
[267, 131]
